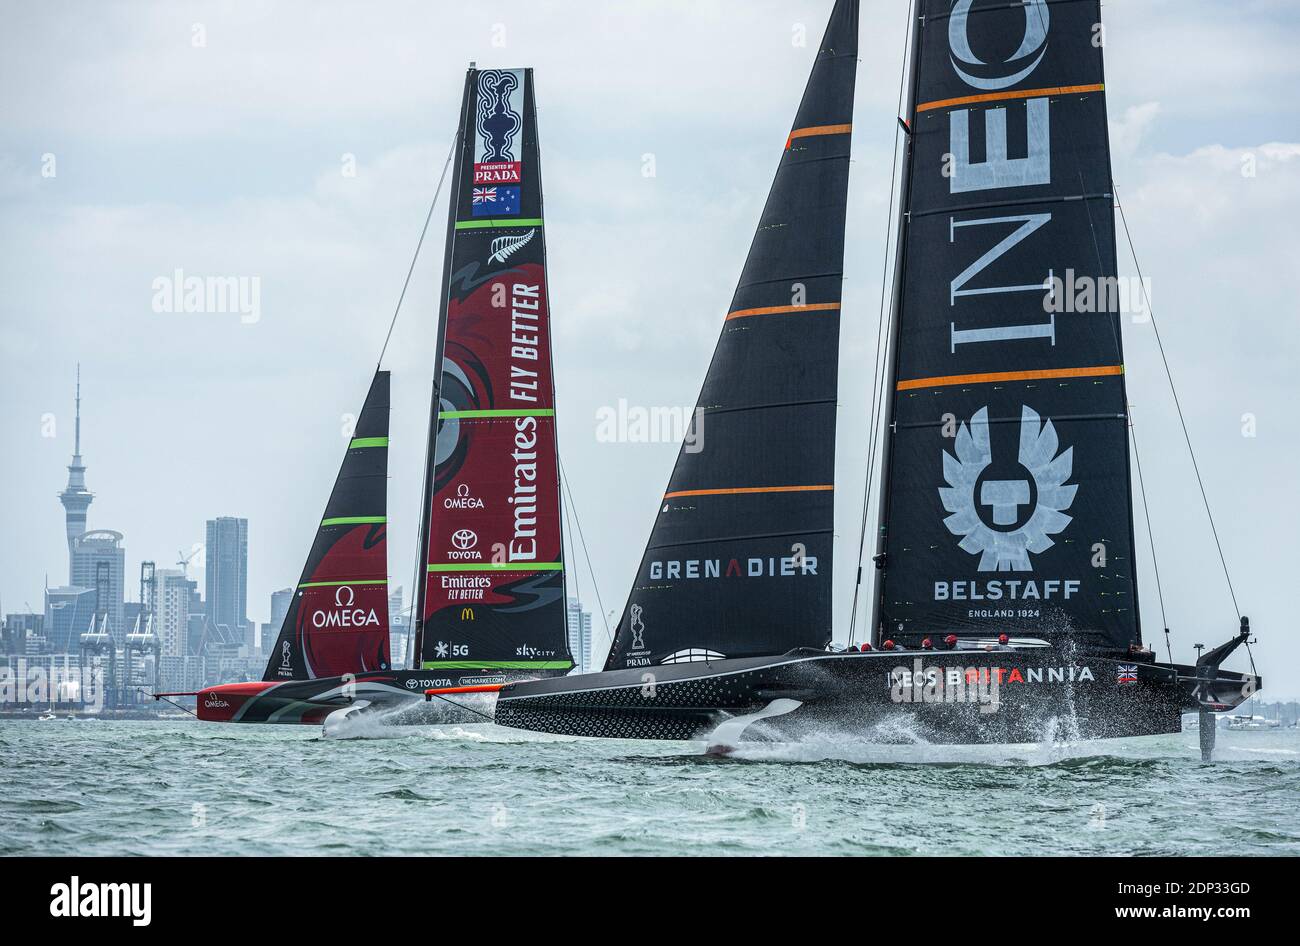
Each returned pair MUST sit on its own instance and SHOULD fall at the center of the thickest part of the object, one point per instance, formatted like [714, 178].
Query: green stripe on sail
[540, 412]
[503, 567]
[496, 665]
[353, 520]
[335, 584]
[369, 442]
[489, 224]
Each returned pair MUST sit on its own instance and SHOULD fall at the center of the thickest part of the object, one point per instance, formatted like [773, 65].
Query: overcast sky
[214, 138]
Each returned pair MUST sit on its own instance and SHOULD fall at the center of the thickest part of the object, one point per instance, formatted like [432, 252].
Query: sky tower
[75, 497]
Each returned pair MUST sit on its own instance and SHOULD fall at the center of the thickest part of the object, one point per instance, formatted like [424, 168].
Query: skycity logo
[76, 899]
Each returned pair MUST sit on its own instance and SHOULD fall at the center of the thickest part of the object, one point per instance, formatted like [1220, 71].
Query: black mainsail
[739, 557]
[1007, 507]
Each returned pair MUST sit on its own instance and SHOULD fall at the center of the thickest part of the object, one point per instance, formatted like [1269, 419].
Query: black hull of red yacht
[312, 701]
[956, 697]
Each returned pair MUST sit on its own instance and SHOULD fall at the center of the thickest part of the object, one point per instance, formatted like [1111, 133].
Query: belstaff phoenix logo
[1044, 490]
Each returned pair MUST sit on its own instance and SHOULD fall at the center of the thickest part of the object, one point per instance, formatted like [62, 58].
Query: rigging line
[577, 585]
[419, 243]
[1251, 654]
[1151, 538]
[564, 479]
[489, 718]
[175, 704]
[878, 393]
[1169, 375]
[414, 627]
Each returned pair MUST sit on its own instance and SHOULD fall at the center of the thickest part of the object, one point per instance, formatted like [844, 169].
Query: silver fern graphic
[503, 247]
[998, 550]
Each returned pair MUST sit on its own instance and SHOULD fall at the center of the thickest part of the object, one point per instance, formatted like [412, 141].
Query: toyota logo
[464, 539]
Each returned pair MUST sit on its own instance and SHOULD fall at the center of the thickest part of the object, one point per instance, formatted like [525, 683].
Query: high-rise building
[280, 601]
[171, 611]
[579, 635]
[91, 552]
[68, 613]
[24, 633]
[226, 570]
[75, 497]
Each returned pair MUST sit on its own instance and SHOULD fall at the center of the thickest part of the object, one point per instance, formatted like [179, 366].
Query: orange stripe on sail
[992, 376]
[784, 309]
[1015, 94]
[745, 489]
[813, 130]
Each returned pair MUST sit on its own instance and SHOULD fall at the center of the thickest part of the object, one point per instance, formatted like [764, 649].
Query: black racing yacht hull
[1007, 695]
[313, 701]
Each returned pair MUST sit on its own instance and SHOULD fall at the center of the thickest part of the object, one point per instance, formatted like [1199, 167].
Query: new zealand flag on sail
[496, 201]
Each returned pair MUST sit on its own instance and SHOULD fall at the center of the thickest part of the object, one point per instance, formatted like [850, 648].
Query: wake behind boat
[1005, 599]
[490, 590]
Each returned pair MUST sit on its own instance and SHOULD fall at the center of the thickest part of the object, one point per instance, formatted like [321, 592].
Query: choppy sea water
[181, 787]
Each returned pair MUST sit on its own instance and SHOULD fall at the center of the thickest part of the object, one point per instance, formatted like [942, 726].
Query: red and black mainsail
[338, 621]
[492, 594]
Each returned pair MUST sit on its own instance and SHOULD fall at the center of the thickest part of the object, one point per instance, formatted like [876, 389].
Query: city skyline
[168, 603]
[76, 499]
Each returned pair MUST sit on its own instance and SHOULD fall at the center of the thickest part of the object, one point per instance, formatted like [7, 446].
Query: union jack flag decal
[483, 195]
[1126, 673]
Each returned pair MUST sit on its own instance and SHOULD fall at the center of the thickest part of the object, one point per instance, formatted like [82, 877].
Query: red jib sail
[493, 595]
[338, 621]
